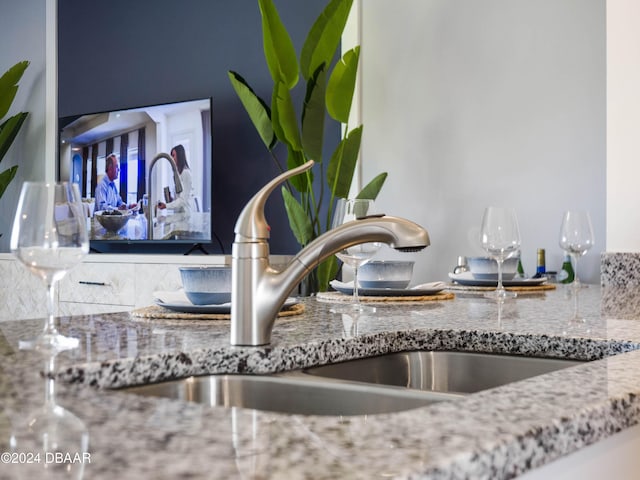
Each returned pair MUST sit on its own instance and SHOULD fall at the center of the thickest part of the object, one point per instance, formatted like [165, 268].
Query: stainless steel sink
[453, 372]
[382, 384]
[291, 393]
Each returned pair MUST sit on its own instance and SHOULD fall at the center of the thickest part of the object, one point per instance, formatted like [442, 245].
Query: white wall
[22, 34]
[623, 121]
[500, 102]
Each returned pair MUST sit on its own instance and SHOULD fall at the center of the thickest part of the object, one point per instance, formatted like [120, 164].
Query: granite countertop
[498, 433]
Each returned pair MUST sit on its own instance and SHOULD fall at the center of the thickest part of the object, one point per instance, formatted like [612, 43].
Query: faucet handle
[251, 224]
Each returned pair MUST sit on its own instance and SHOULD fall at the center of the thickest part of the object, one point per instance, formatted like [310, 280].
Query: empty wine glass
[576, 237]
[500, 237]
[49, 237]
[348, 210]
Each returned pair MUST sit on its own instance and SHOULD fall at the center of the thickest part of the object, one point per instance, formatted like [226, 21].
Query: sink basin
[453, 372]
[291, 393]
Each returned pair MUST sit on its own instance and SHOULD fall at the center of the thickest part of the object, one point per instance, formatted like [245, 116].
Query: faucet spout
[258, 291]
[176, 180]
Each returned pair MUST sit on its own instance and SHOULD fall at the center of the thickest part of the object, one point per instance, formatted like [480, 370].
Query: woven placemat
[156, 311]
[522, 289]
[341, 297]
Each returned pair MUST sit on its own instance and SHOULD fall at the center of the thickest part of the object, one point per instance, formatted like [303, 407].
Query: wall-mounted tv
[115, 158]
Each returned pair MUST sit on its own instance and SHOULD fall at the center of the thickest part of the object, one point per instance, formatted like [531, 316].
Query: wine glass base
[573, 288]
[352, 308]
[50, 344]
[500, 295]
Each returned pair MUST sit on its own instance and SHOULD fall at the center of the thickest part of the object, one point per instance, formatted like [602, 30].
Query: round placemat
[156, 311]
[341, 297]
[522, 289]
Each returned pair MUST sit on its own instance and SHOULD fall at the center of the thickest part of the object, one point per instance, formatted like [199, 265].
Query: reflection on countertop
[496, 433]
[49, 441]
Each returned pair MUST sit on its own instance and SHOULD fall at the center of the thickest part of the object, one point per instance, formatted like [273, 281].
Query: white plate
[417, 291]
[466, 278]
[188, 307]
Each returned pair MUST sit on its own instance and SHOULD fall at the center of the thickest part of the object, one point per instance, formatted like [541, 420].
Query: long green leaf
[278, 47]
[258, 110]
[298, 220]
[9, 130]
[13, 75]
[372, 189]
[326, 272]
[301, 182]
[343, 164]
[275, 118]
[6, 177]
[8, 86]
[7, 98]
[324, 37]
[284, 115]
[341, 86]
[313, 115]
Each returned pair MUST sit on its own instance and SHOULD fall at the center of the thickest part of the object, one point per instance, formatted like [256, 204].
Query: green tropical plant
[10, 127]
[329, 92]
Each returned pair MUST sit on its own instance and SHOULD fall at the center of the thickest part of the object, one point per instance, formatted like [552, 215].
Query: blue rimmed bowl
[207, 285]
[394, 274]
[486, 268]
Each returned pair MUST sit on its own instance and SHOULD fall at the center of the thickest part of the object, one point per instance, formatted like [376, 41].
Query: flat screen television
[146, 183]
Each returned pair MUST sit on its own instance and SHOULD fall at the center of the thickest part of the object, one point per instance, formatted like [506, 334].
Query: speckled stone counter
[497, 433]
[619, 269]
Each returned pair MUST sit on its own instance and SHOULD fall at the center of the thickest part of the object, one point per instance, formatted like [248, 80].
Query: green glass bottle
[520, 269]
[567, 275]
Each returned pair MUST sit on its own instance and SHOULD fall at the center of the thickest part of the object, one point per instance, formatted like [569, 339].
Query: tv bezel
[213, 245]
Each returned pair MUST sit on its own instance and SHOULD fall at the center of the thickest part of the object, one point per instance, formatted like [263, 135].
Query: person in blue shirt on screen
[107, 196]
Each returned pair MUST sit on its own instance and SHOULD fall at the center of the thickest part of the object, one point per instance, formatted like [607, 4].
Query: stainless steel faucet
[176, 179]
[258, 291]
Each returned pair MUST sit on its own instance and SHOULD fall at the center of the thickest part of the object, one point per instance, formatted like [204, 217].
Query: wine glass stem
[50, 326]
[576, 281]
[500, 288]
[356, 298]
[576, 306]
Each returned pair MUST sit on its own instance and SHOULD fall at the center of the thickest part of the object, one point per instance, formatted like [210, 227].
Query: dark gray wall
[116, 54]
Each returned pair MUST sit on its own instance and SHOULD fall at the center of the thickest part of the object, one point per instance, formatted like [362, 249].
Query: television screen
[145, 173]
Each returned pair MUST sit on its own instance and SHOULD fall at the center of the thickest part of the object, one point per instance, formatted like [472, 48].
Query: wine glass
[348, 210]
[49, 237]
[576, 237]
[500, 237]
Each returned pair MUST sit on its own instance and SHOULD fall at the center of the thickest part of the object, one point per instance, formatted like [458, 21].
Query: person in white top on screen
[184, 200]
[107, 196]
